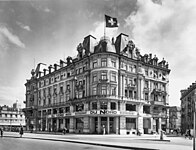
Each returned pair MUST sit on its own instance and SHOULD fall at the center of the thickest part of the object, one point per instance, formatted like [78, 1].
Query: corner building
[109, 87]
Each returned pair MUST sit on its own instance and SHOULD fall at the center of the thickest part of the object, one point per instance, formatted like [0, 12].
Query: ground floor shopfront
[104, 124]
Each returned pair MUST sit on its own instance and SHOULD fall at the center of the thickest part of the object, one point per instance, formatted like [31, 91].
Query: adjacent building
[187, 107]
[11, 118]
[175, 118]
[109, 86]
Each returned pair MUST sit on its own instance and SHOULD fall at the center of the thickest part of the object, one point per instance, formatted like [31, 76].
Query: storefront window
[79, 123]
[130, 123]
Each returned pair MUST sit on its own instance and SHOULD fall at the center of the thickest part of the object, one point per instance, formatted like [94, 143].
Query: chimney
[45, 71]
[50, 68]
[61, 63]
[55, 67]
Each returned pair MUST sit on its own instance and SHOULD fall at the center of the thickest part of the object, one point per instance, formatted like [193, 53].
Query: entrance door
[103, 124]
[112, 127]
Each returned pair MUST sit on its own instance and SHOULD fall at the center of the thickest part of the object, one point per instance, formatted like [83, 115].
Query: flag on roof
[111, 22]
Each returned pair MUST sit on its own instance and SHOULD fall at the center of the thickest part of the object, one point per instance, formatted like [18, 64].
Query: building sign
[103, 112]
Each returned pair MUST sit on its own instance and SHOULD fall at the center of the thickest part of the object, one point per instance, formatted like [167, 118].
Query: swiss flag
[111, 22]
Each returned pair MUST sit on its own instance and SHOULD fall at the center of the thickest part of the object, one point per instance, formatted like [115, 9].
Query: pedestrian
[64, 130]
[21, 131]
[1, 130]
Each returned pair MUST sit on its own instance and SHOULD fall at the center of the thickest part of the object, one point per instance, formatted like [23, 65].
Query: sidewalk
[144, 142]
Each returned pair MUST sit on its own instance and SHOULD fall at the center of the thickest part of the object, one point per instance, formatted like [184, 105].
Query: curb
[89, 143]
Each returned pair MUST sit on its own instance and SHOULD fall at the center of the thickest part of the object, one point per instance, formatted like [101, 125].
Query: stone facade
[187, 107]
[109, 88]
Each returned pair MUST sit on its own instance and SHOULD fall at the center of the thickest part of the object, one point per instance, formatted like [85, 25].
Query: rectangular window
[146, 84]
[103, 90]
[146, 72]
[103, 62]
[113, 105]
[104, 75]
[113, 77]
[94, 105]
[94, 91]
[94, 64]
[103, 105]
[68, 74]
[68, 87]
[146, 96]
[130, 107]
[79, 107]
[130, 68]
[94, 77]
[80, 70]
[113, 92]
[67, 109]
[61, 89]
[67, 97]
[114, 63]
[80, 94]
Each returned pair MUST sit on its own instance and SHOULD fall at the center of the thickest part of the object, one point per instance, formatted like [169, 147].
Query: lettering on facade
[104, 112]
[108, 112]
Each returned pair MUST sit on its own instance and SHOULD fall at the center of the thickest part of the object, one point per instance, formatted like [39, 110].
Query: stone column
[151, 123]
[46, 123]
[91, 125]
[108, 125]
[160, 125]
[41, 120]
[71, 128]
[123, 86]
[122, 125]
[140, 118]
[86, 125]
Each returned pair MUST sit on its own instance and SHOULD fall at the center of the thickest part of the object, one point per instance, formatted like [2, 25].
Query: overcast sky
[46, 31]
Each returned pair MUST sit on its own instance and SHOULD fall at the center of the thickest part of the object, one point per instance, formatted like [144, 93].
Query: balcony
[146, 89]
[131, 86]
[157, 102]
[79, 87]
[103, 80]
[159, 92]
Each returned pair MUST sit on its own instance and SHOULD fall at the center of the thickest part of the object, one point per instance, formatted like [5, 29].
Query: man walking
[1, 130]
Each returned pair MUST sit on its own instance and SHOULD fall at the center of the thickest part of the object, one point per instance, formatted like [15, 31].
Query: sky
[47, 31]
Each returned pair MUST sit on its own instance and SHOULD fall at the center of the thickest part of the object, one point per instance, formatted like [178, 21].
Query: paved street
[11, 140]
[33, 144]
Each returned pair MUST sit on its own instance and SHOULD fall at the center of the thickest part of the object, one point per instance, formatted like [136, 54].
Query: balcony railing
[157, 102]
